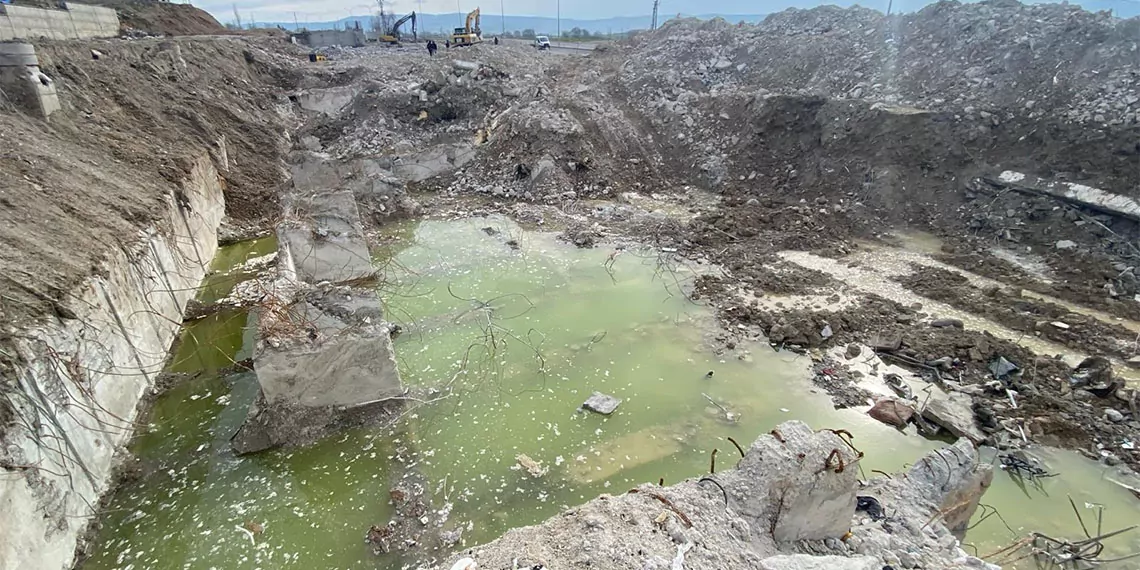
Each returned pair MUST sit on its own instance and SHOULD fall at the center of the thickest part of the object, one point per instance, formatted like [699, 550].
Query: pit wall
[73, 22]
[81, 379]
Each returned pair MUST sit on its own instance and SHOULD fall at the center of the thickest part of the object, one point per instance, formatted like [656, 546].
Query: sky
[327, 10]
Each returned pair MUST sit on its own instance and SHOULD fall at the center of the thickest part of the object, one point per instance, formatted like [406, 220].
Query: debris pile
[989, 59]
[790, 503]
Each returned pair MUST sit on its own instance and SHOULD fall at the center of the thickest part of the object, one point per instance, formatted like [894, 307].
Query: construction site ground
[862, 189]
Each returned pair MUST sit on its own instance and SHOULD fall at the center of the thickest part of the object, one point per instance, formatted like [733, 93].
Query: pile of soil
[162, 18]
[132, 123]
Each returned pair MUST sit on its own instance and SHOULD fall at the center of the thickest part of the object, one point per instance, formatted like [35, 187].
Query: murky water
[516, 329]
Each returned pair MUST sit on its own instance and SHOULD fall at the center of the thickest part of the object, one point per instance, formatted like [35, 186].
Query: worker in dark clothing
[431, 47]
[496, 40]
[447, 44]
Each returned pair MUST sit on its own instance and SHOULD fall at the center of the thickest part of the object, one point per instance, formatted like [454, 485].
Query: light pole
[559, 19]
[502, 19]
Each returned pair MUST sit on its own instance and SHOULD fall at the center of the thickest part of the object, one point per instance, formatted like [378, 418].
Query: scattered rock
[1066, 244]
[891, 412]
[885, 341]
[601, 403]
[809, 562]
[534, 468]
[1113, 416]
[944, 323]
[955, 414]
[854, 350]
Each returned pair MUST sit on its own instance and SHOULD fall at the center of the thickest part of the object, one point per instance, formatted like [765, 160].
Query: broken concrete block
[809, 562]
[797, 486]
[885, 341]
[320, 370]
[601, 403]
[955, 413]
[947, 323]
[322, 240]
[952, 479]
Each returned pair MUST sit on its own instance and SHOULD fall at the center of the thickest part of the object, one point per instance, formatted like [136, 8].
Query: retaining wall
[81, 378]
[73, 22]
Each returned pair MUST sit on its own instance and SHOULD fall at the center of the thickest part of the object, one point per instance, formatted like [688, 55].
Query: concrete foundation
[24, 83]
[329, 38]
[80, 379]
[324, 361]
[72, 22]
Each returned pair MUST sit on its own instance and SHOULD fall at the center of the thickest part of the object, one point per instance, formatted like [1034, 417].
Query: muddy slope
[132, 123]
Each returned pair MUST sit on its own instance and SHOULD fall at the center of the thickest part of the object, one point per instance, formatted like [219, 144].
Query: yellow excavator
[468, 35]
[392, 36]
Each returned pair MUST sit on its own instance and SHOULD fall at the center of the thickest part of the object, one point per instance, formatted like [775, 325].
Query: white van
[541, 42]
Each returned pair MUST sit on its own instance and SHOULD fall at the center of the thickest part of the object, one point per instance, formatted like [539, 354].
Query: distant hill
[494, 24]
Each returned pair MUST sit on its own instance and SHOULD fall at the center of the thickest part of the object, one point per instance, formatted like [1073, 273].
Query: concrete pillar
[22, 80]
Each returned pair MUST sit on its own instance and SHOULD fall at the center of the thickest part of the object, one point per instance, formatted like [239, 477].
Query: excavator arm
[473, 16]
[401, 22]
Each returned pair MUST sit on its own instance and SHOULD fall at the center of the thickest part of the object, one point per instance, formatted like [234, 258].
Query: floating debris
[531, 466]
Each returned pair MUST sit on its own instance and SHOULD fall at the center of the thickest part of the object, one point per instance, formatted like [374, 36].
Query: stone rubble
[787, 504]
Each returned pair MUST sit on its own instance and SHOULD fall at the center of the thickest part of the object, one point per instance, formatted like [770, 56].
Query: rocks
[891, 412]
[601, 403]
[1065, 244]
[955, 414]
[885, 341]
[1113, 416]
[941, 67]
[532, 467]
[794, 478]
[809, 562]
[945, 323]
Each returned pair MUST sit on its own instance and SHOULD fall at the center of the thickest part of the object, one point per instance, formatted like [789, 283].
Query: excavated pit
[819, 181]
[563, 325]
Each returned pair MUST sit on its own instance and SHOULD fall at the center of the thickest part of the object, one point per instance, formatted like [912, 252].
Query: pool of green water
[513, 330]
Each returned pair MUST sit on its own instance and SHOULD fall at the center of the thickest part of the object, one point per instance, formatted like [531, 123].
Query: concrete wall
[82, 378]
[326, 38]
[21, 79]
[75, 21]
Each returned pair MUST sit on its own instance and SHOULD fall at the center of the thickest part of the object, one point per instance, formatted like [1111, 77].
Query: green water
[224, 268]
[513, 340]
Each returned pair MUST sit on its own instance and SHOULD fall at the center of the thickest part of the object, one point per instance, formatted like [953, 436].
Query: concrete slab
[326, 364]
[322, 240]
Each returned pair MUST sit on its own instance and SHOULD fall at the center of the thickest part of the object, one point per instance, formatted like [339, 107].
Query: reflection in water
[522, 334]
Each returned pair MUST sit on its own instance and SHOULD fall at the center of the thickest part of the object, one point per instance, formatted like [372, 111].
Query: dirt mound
[162, 18]
[132, 123]
[985, 59]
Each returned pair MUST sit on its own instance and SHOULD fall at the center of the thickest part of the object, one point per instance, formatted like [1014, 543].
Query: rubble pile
[407, 101]
[793, 501]
[990, 59]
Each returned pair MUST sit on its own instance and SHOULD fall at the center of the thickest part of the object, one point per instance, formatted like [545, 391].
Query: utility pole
[559, 14]
[295, 27]
[237, 16]
[653, 26]
[502, 19]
